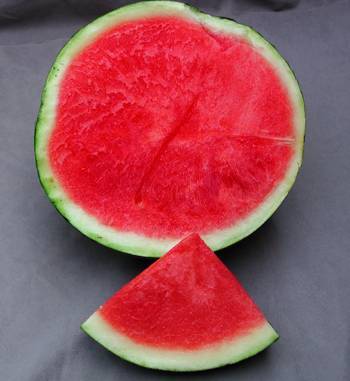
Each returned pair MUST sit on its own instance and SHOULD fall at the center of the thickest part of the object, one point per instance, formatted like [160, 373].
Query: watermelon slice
[158, 120]
[185, 312]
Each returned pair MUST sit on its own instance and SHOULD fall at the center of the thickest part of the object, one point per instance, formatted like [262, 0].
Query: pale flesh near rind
[217, 355]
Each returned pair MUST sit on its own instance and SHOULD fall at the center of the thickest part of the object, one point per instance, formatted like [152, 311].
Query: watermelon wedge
[158, 120]
[185, 312]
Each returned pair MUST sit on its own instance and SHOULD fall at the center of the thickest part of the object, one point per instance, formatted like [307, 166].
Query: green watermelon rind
[216, 355]
[134, 243]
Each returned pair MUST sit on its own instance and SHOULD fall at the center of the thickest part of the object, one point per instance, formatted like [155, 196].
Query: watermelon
[158, 120]
[185, 312]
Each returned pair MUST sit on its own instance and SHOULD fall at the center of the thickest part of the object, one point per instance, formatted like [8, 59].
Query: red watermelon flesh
[186, 303]
[164, 127]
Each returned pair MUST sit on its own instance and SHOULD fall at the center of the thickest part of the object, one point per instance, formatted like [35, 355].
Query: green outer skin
[133, 243]
[214, 356]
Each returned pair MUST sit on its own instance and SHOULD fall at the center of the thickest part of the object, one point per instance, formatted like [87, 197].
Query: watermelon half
[185, 312]
[158, 120]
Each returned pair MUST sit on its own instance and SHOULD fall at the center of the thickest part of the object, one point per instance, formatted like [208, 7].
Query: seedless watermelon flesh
[185, 312]
[158, 120]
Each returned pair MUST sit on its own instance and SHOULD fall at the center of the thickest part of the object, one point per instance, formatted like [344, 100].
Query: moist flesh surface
[186, 300]
[164, 128]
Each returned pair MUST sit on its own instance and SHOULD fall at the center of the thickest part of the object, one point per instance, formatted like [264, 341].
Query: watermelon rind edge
[216, 355]
[134, 243]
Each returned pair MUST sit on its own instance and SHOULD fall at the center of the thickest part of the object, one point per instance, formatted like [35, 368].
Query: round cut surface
[158, 121]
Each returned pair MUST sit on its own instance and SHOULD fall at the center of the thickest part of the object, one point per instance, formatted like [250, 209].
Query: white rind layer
[136, 243]
[216, 355]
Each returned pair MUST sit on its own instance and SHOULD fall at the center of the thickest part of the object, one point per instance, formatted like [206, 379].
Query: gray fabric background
[296, 266]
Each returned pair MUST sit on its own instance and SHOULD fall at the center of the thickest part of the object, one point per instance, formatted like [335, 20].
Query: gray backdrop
[296, 266]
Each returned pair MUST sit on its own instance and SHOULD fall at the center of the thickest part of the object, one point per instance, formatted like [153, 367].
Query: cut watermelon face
[185, 312]
[158, 120]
